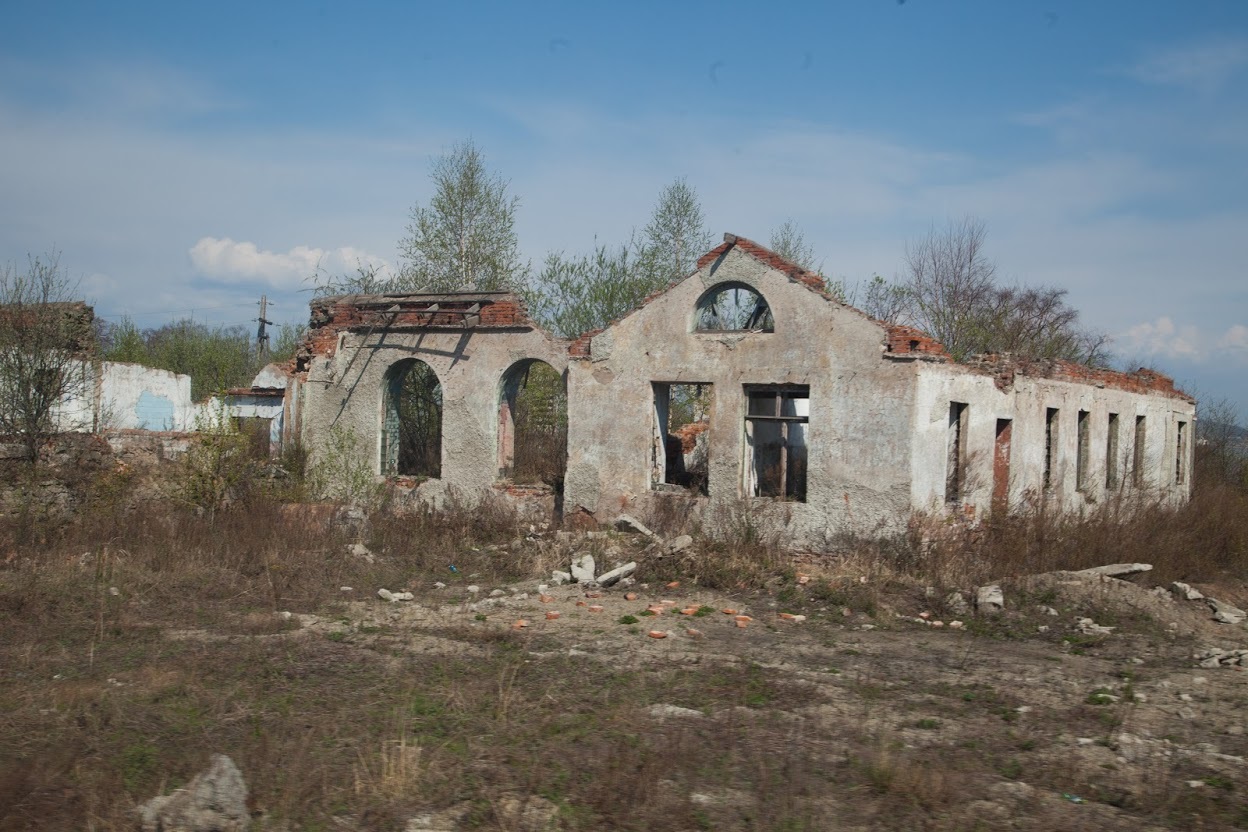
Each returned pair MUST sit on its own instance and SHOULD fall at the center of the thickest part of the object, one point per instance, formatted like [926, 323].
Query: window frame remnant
[792, 444]
[1112, 462]
[1139, 452]
[392, 428]
[669, 471]
[1051, 437]
[1180, 452]
[955, 452]
[755, 316]
[1001, 463]
[1083, 449]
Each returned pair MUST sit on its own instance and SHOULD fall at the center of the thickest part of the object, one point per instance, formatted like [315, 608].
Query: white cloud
[1200, 66]
[244, 262]
[1163, 338]
[1235, 338]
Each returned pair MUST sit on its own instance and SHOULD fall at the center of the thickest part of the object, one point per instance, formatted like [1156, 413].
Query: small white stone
[385, 594]
[474, 589]
[497, 593]
[346, 589]
[439, 585]
[114, 591]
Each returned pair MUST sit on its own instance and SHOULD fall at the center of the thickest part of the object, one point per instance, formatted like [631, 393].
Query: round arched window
[733, 307]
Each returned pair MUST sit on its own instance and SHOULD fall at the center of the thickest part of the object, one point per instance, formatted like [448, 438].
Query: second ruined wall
[858, 476]
[346, 391]
[1164, 460]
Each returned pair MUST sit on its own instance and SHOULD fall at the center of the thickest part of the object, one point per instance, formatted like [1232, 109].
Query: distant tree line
[215, 357]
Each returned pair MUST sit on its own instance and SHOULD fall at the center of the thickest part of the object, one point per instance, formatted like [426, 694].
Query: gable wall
[860, 405]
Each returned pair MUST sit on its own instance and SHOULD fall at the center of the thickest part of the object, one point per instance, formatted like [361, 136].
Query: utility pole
[262, 336]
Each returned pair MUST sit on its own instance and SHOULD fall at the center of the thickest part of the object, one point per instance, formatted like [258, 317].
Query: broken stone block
[628, 523]
[989, 600]
[1116, 570]
[583, 569]
[559, 578]
[385, 594]
[1226, 613]
[615, 575]
[1186, 591]
[1090, 628]
[214, 801]
[359, 550]
[678, 544]
[956, 602]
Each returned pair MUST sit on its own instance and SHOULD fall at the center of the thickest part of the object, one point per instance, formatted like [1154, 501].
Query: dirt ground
[443, 712]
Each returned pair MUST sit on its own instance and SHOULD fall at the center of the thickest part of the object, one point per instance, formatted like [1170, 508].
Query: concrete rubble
[1115, 570]
[1225, 613]
[614, 576]
[582, 569]
[1186, 591]
[989, 600]
[214, 801]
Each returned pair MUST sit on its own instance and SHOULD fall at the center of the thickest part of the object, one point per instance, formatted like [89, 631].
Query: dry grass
[100, 709]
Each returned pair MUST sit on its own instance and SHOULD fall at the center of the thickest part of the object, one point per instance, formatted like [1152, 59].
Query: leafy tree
[676, 235]
[216, 358]
[124, 342]
[465, 238]
[579, 292]
[44, 339]
[789, 241]
[289, 337]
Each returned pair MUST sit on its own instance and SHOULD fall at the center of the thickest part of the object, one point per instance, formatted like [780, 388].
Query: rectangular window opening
[1001, 463]
[680, 459]
[1180, 454]
[1083, 428]
[776, 420]
[955, 450]
[1138, 451]
[1050, 446]
[1111, 453]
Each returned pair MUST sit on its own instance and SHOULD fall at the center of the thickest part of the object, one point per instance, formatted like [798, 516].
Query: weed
[628, 619]
[928, 724]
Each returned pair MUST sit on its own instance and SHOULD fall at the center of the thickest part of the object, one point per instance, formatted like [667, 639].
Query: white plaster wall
[470, 365]
[858, 476]
[1027, 404]
[113, 395]
[136, 397]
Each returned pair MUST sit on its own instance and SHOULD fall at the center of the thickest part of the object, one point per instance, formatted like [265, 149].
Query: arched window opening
[733, 307]
[533, 424]
[411, 438]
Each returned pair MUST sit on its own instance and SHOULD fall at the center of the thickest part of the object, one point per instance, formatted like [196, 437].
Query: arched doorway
[411, 436]
[533, 424]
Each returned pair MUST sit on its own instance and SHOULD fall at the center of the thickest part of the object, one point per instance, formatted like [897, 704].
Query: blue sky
[191, 157]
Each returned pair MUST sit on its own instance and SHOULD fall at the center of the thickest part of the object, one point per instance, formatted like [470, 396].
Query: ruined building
[742, 387]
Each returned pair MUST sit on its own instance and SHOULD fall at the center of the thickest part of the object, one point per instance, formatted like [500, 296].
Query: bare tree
[45, 338]
[949, 283]
[950, 291]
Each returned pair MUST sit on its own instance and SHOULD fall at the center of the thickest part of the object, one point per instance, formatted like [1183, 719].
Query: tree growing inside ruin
[579, 292]
[45, 339]
[464, 239]
[949, 289]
